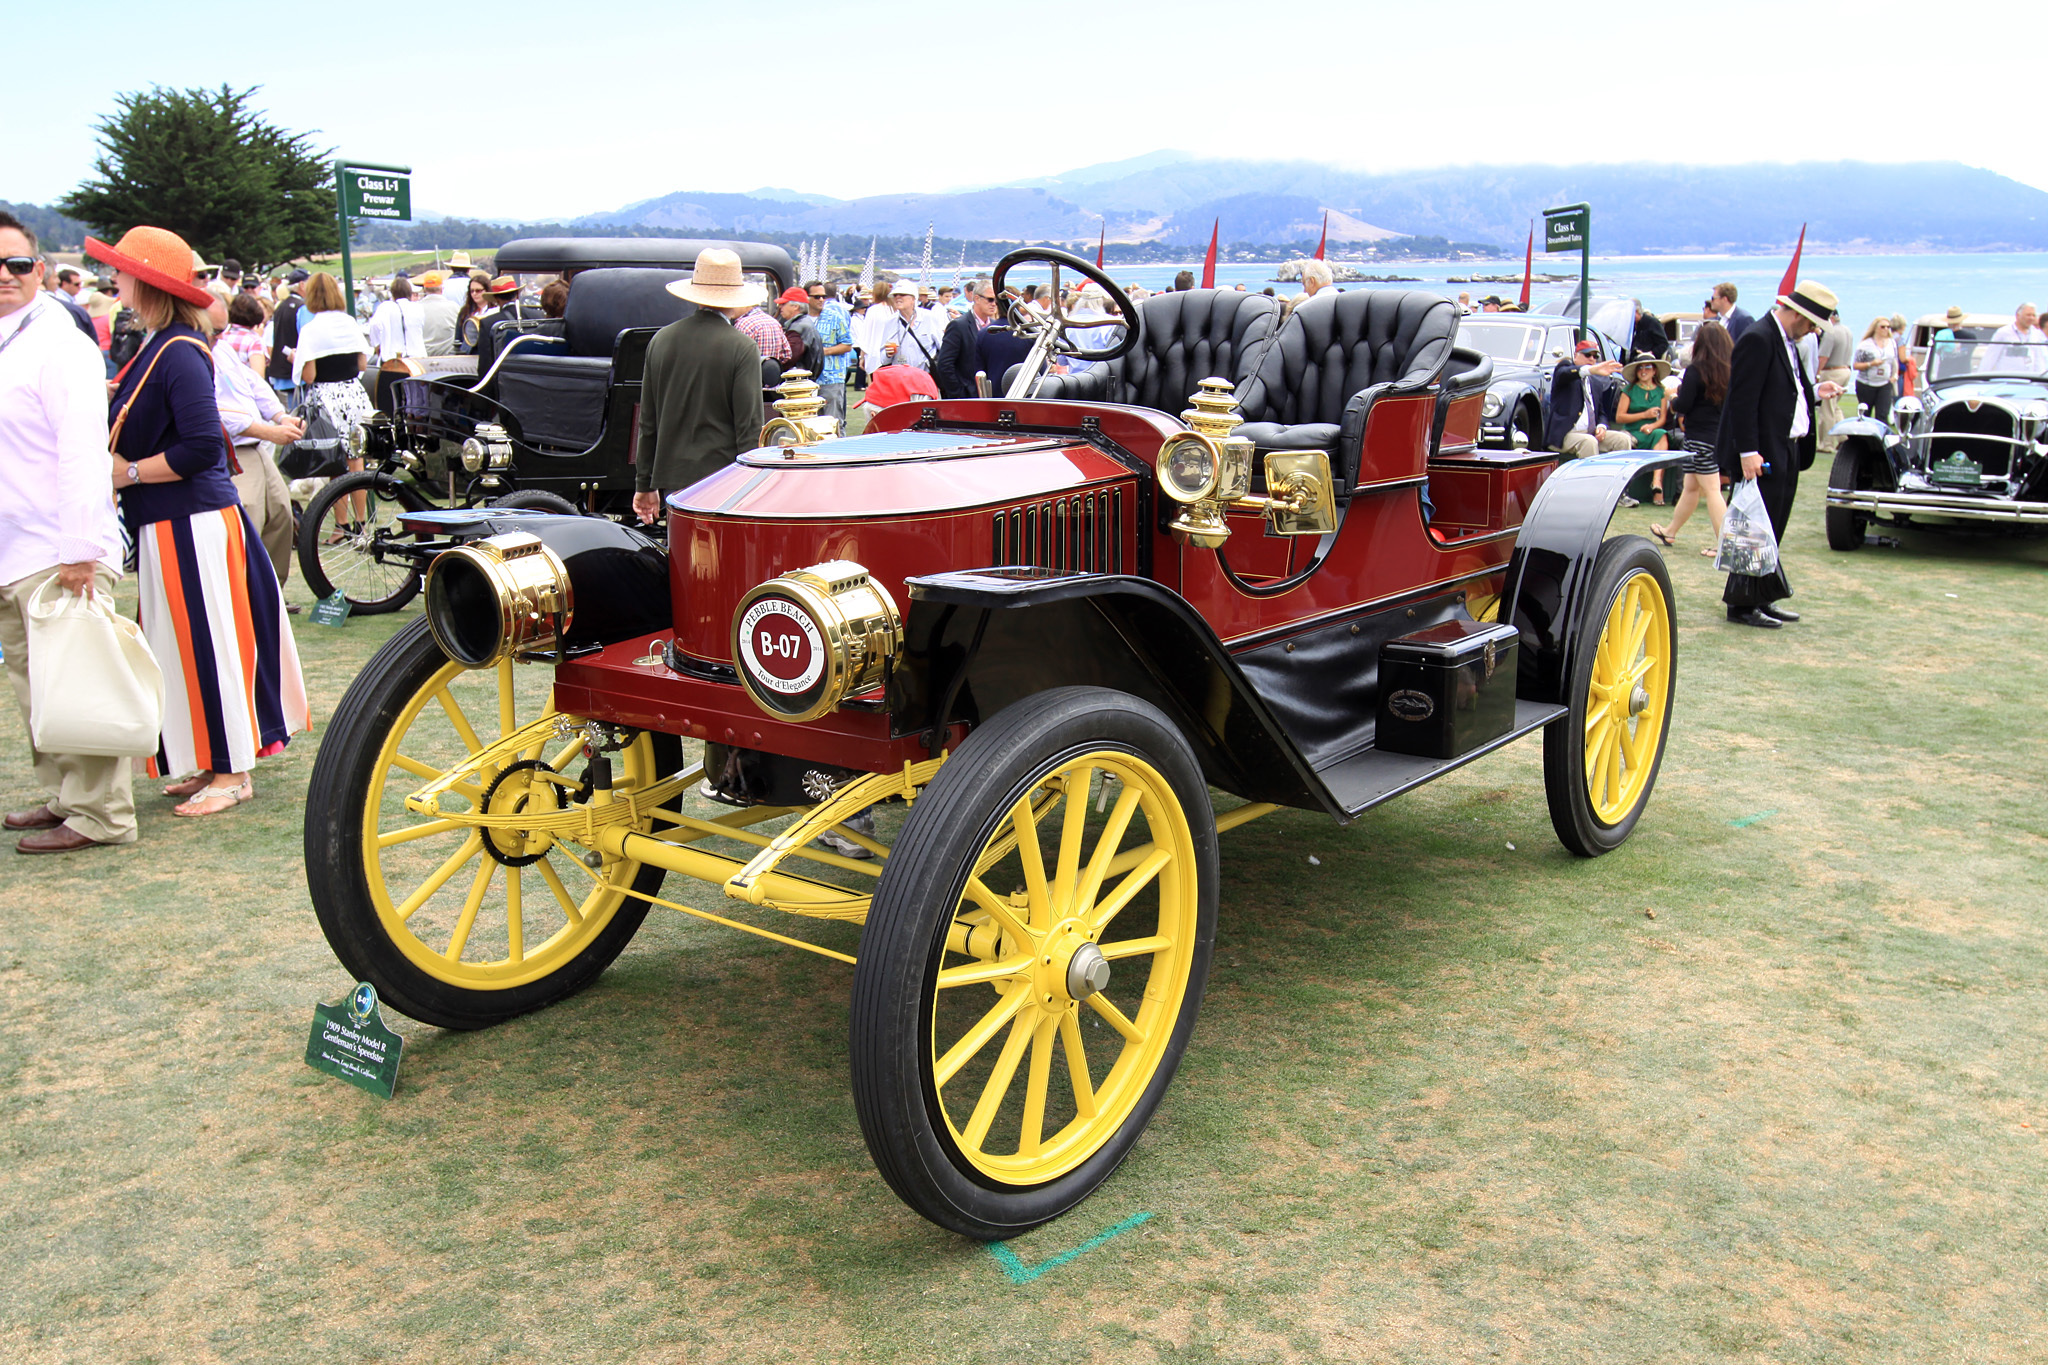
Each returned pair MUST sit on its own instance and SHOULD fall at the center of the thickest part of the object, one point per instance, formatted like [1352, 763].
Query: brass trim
[854, 625]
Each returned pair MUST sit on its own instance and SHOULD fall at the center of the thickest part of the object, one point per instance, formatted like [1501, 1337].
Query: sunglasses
[21, 265]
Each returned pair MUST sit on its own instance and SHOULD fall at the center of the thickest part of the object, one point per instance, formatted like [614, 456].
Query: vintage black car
[1968, 454]
[550, 423]
[1525, 348]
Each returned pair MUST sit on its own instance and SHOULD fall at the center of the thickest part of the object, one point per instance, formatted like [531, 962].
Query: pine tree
[213, 170]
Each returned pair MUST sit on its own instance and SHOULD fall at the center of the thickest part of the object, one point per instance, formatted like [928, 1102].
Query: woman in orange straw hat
[210, 601]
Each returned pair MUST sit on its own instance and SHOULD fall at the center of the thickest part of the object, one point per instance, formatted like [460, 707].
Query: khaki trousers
[1832, 412]
[1577, 445]
[269, 504]
[92, 794]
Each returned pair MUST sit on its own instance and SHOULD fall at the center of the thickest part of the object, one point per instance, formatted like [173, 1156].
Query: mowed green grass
[1767, 1084]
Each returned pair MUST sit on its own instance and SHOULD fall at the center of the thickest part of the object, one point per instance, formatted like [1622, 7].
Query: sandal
[1709, 552]
[234, 796]
[189, 786]
[1656, 497]
[1663, 533]
[343, 534]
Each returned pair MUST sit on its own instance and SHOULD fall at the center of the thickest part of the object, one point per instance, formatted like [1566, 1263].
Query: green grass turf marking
[1020, 1273]
[1746, 821]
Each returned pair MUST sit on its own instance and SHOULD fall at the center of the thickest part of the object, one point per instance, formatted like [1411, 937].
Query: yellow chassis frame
[606, 824]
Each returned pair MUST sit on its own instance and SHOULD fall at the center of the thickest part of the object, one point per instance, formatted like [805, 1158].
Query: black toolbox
[1447, 690]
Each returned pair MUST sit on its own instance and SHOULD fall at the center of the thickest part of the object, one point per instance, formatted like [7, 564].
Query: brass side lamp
[1207, 468]
[800, 406]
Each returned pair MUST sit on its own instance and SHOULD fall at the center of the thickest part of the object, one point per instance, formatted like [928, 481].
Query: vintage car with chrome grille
[1525, 349]
[966, 701]
[1968, 453]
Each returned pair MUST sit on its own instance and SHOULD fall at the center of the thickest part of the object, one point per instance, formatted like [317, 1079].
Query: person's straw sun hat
[458, 260]
[156, 256]
[718, 282]
[1812, 301]
[1641, 358]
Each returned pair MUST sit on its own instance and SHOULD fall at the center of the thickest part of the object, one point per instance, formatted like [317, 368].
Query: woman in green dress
[1642, 408]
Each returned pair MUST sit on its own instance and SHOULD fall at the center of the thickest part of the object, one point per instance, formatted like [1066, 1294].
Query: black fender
[971, 648]
[1880, 454]
[1553, 562]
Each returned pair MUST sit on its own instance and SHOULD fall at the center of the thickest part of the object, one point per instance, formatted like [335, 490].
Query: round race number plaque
[780, 647]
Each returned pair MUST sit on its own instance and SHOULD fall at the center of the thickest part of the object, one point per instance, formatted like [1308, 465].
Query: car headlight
[2036, 411]
[490, 448]
[358, 440]
[498, 596]
[1188, 468]
[806, 640]
[1492, 406]
[1906, 407]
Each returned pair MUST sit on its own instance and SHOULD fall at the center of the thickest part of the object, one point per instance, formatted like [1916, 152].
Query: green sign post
[351, 1043]
[1570, 228]
[364, 189]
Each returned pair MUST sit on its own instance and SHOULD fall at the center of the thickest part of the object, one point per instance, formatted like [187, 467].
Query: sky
[633, 99]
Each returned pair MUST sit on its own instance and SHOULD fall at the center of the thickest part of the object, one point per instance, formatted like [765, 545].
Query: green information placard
[331, 610]
[376, 194]
[350, 1043]
[1565, 231]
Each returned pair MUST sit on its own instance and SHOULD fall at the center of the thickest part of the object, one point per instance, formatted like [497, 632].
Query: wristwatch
[134, 472]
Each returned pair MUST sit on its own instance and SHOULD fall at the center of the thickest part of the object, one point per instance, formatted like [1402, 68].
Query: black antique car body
[1968, 454]
[1526, 348]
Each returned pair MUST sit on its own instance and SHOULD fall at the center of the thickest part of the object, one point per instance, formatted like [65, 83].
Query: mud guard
[1554, 558]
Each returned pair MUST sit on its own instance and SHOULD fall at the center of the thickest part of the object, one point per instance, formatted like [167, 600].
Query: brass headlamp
[1207, 468]
[488, 452]
[806, 640]
[496, 597]
[800, 406]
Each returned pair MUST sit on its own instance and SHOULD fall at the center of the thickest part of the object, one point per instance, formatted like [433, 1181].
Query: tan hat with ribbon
[718, 282]
[1814, 302]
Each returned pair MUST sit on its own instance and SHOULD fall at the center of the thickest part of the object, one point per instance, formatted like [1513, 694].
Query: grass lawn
[1767, 1084]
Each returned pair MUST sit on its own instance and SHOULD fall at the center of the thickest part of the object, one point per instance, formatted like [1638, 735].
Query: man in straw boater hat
[700, 390]
[1769, 423]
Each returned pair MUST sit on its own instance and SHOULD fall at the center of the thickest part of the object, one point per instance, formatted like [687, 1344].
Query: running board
[1371, 776]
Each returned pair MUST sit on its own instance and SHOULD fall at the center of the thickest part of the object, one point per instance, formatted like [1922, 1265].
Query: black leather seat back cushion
[1336, 345]
[1189, 335]
[604, 303]
[558, 399]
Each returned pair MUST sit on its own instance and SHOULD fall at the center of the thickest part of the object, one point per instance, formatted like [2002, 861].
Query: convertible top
[538, 255]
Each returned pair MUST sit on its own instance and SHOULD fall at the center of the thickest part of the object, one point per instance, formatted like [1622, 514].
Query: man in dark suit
[700, 390]
[1721, 305]
[1582, 393]
[960, 348]
[1768, 425]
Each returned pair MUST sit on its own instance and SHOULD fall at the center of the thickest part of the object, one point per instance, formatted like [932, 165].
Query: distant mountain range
[1172, 198]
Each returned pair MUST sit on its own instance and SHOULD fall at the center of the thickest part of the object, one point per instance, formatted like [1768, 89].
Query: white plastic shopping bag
[1747, 545]
[94, 684]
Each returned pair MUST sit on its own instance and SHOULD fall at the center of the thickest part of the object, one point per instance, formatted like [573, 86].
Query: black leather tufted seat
[1335, 356]
[560, 399]
[1189, 336]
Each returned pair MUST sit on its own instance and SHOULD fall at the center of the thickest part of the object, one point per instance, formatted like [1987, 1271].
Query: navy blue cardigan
[174, 416]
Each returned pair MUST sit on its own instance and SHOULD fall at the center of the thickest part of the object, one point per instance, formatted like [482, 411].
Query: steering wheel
[1060, 321]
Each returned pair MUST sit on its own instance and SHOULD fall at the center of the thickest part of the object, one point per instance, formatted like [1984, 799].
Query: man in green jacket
[700, 395]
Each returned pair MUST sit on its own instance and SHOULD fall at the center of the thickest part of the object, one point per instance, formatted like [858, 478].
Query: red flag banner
[1791, 280]
[1528, 263]
[1324, 240]
[1099, 243]
[1209, 261]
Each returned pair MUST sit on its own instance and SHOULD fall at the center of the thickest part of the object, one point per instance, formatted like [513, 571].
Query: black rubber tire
[1845, 527]
[1579, 828]
[335, 799]
[371, 588]
[1530, 423]
[538, 500]
[905, 942]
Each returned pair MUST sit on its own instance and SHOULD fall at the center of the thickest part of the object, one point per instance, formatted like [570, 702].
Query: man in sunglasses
[960, 348]
[56, 521]
[835, 343]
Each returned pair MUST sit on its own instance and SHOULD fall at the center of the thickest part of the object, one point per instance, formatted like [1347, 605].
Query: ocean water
[1866, 285]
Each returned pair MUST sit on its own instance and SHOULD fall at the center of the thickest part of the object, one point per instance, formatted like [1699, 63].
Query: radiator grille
[1080, 534]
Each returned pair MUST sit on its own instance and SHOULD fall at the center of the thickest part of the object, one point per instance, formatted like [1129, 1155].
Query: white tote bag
[94, 684]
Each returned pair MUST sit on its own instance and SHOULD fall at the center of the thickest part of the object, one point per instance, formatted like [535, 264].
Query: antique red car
[1019, 661]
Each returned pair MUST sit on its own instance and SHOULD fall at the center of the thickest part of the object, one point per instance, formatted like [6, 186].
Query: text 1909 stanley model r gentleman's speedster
[1033, 635]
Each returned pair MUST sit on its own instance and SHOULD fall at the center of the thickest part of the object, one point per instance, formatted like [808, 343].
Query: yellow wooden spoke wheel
[1601, 760]
[458, 924]
[1034, 960]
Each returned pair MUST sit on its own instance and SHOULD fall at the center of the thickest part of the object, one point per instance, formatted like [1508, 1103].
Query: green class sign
[376, 194]
[1565, 231]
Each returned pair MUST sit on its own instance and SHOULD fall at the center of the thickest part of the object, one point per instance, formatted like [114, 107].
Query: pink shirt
[56, 497]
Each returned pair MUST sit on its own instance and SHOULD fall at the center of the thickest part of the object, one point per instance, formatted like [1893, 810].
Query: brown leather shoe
[42, 817]
[62, 839]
